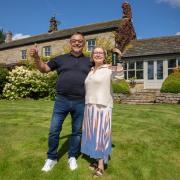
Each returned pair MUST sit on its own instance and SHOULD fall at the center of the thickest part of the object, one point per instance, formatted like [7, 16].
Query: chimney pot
[8, 37]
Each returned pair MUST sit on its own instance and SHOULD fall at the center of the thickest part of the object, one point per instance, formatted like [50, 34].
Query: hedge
[171, 83]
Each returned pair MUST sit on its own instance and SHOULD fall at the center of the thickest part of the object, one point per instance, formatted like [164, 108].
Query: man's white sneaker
[49, 164]
[72, 163]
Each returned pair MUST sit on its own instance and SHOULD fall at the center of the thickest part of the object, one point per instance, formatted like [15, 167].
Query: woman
[96, 135]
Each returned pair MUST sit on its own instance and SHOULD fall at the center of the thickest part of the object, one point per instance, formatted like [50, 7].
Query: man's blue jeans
[62, 107]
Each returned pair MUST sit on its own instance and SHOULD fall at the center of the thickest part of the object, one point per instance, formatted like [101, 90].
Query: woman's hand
[113, 68]
[116, 50]
[119, 67]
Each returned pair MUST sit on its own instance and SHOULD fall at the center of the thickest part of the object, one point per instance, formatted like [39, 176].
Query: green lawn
[146, 143]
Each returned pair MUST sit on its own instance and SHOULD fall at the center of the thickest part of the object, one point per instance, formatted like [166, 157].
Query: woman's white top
[98, 86]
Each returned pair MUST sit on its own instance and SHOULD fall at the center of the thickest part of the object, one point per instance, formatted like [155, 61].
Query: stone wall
[118, 97]
[169, 98]
[13, 55]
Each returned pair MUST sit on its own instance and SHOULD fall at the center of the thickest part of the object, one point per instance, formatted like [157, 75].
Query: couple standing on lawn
[83, 89]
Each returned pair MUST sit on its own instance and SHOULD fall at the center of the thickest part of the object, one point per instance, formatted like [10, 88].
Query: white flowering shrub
[24, 83]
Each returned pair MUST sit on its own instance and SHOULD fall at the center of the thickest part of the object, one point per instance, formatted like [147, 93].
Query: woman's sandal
[99, 172]
[93, 166]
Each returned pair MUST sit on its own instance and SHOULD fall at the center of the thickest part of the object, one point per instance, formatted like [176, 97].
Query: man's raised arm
[41, 66]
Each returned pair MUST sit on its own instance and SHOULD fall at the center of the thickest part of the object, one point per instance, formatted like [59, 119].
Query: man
[72, 69]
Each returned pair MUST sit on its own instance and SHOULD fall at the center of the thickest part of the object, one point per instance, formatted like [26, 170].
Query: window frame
[90, 46]
[127, 70]
[24, 54]
[171, 68]
[47, 53]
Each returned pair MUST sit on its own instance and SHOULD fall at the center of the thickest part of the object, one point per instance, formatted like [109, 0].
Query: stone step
[139, 100]
[136, 103]
[149, 90]
[135, 99]
[143, 95]
[146, 93]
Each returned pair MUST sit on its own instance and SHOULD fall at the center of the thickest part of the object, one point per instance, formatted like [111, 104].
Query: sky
[151, 18]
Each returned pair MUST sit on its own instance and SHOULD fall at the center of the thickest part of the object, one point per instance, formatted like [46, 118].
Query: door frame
[154, 83]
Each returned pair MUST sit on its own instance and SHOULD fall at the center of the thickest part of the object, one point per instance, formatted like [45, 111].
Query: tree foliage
[2, 36]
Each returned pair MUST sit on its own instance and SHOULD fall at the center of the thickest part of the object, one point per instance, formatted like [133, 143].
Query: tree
[2, 36]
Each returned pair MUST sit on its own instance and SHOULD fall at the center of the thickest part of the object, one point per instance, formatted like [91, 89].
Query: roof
[153, 46]
[66, 33]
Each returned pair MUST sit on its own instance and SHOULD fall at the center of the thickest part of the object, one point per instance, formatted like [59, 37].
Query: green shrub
[3, 78]
[51, 80]
[2, 36]
[120, 87]
[171, 83]
[29, 64]
[24, 83]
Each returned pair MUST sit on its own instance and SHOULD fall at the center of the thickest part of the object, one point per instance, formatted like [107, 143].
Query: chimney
[127, 13]
[53, 25]
[8, 37]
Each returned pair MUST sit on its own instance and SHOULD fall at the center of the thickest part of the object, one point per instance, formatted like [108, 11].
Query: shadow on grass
[64, 147]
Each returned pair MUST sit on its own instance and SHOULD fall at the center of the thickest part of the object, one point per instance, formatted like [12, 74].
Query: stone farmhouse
[149, 61]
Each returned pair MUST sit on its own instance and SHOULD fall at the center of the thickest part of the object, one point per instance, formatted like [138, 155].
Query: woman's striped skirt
[96, 132]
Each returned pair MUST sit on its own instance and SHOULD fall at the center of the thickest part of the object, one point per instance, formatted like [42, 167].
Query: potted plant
[132, 84]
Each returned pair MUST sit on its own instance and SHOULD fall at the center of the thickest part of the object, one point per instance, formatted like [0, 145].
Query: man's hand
[43, 67]
[34, 52]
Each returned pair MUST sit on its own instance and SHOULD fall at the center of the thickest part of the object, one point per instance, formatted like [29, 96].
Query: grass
[146, 143]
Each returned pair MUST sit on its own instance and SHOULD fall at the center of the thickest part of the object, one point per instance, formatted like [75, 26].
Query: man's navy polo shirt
[72, 74]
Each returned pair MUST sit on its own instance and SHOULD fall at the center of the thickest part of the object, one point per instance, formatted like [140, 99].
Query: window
[133, 69]
[150, 70]
[47, 50]
[91, 43]
[160, 69]
[172, 63]
[139, 70]
[24, 54]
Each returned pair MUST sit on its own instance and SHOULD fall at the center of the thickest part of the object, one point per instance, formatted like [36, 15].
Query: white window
[91, 43]
[47, 51]
[172, 63]
[134, 69]
[24, 54]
